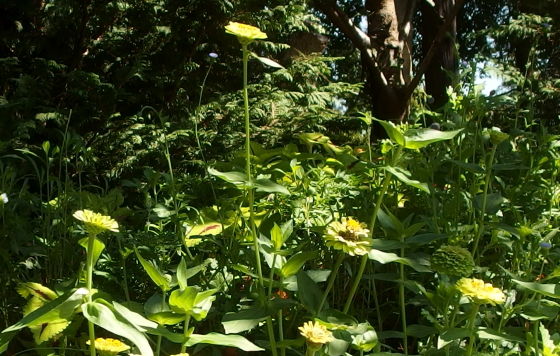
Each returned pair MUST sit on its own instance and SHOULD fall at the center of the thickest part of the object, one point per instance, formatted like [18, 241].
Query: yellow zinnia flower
[245, 33]
[316, 335]
[481, 292]
[96, 223]
[109, 347]
[349, 235]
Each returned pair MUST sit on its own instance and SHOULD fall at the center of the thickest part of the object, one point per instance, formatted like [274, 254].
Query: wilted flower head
[245, 33]
[315, 334]
[452, 260]
[481, 292]
[96, 223]
[4, 198]
[109, 347]
[350, 236]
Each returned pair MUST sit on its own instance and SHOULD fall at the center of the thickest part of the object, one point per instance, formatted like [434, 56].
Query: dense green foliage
[239, 207]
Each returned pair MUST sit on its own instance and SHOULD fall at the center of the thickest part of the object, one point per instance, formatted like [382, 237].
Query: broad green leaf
[420, 331]
[491, 334]
[334, 319]
[384, 258]
[386, 245]
[394, 133]
[98, 247]
[47, 331]
[62, 307]
[105, 317]
[37, 290]
[494, 202]
[451, 335]
[268, 186]
[167, 318]
[191, 301]
[309, 293]
[403, 176]
[245, 319]
[224, 340]
[470, 167]
[424, 238]
[507, 167]
[154, 272]
[550, 290]
[418, 138]
[237, 178]
[208, 228]
[295, 263]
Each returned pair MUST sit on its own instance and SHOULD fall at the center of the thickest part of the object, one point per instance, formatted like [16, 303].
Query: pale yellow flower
[349, 235]
[109, 347]
[315, 334]
[245, 33]
[96, 223]
[481, 292]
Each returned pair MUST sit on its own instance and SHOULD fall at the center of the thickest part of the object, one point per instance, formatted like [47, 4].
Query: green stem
[251, 194]
[281, 320]
[185, 333]
[332, 277]
[89, 286]
[480, 228]
[472, 320]
[357, 279]
[403, 304]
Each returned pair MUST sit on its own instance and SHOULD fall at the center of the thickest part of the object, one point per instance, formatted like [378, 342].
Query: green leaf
[451, 335]
[494, 202]
[420, 331]
[491, 334]
[182, 274]
[550, 290]
[62, 307]
[334, 319]
[105, 317]
[167, 318]
[98, 247]
[309, 293]
[245, 319]
[418, 138]
[237, 178]
[394, 133]
[384, 258]
[276, 237]
[154, 272]
[268, 186]
[423, 239]
[403, 175]
[470, 167]
[191, 301]
[295, 263]
[224, 340]
[208, 228]
[268, 62]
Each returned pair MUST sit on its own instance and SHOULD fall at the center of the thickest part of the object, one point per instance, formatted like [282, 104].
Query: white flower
[4, 197]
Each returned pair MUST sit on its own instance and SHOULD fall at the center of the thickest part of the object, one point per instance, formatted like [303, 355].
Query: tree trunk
[442, 71]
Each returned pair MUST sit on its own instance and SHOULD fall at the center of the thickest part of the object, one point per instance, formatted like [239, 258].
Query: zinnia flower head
[245, 33]
[480, 292]
[96, 223]
[109, 347]
[315, 334]
[349, 235]
[452, 260]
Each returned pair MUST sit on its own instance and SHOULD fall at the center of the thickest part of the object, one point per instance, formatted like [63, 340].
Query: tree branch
[423, 67]
[358, 38]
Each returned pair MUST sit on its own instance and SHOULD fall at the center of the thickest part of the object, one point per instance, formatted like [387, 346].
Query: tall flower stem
[363, 263]
[472, 320]
[332, 277]
[251, 196]
[480, 228]
[185, 333]
[89, 286]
